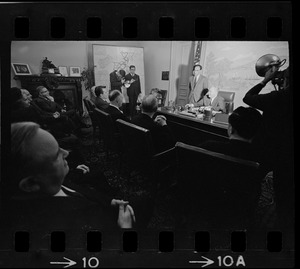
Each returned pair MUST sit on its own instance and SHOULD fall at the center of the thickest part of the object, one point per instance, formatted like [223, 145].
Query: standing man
[197, 83]
[116, 80]
[134, 90]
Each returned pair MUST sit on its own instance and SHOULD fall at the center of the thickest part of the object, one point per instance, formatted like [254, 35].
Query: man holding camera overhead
[275, 140]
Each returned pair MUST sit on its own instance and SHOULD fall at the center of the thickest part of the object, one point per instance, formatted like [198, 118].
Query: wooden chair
[90, 109]
[138, 153]
[111, 139]
[216, 188]
[229, 100]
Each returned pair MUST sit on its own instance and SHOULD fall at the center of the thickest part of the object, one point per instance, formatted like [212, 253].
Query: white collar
[116, 107]
[61, 193]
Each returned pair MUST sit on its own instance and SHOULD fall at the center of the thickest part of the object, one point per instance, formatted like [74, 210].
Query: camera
[267, 61]
[281, 79]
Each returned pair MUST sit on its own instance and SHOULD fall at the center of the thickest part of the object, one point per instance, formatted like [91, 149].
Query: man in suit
[117, 79]
[36, 196]
[212, 99]
[114, 108]
[101, 95]
[197, 83]
[134, 90]
[162, 136]
[47, 104]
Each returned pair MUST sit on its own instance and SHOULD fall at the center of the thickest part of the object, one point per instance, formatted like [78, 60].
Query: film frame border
[219, 16]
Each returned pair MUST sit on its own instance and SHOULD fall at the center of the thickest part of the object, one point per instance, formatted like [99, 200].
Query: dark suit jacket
[116, 113]
[135, 88]
[162, 136]
[50, 213]
[115, 81]
[47, 105]
[100, 103]
[275, 138]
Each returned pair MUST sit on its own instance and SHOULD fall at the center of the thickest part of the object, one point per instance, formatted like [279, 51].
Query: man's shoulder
[143, 120]
[112, 110]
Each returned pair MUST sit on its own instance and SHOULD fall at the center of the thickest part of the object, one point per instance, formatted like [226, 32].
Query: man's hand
[56, 114]
[126, 216]
[115, 202]
[188, 106]
[84, 168]
[270, 74]
[161, 120]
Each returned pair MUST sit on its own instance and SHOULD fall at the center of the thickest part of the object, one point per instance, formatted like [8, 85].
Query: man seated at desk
[210, 98]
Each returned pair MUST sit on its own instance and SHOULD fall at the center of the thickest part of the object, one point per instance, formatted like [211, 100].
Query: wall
[77, 53]
[157, 58]
[61, 53]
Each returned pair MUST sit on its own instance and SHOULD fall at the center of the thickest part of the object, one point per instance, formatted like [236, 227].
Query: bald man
[162, 136]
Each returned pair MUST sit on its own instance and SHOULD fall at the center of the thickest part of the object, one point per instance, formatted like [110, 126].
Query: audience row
[43, 166]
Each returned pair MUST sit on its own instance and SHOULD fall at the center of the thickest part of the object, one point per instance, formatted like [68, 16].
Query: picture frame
[165, 75]
[75, 71]
[63, 71]
[21, 69]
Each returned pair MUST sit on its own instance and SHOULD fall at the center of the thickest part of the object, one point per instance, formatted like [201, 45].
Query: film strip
[136, 23]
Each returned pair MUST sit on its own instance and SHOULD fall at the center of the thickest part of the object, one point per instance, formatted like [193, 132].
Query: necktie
[195, 81]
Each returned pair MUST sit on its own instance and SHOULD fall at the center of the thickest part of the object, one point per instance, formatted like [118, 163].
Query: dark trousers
[132, 105]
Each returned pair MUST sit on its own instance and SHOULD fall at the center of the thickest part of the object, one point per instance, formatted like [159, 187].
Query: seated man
[162, 136]
[21, 110]
[243, 125]
[101, 94]
[114, 109]
[210, 98]
[47, 104]
[35, 194]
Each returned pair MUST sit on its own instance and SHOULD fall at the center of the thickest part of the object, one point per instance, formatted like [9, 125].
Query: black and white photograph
[21, 69]
[63, 71]
[184, 141]
[74, 71]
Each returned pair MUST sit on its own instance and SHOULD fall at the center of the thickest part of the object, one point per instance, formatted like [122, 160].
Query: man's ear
[229, 129]
[28, 184]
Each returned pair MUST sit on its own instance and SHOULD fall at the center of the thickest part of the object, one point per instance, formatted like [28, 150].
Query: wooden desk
[192, 130]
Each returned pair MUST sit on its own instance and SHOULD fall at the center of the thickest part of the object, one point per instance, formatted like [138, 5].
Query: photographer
[274, 142]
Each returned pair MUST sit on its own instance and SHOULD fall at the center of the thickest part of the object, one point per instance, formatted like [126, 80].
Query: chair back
[229, 100]
[110, 137]
[90, 109]
[136, 144]
[222, 189]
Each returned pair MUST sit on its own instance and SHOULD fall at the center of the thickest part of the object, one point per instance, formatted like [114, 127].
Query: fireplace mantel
[65, 84]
